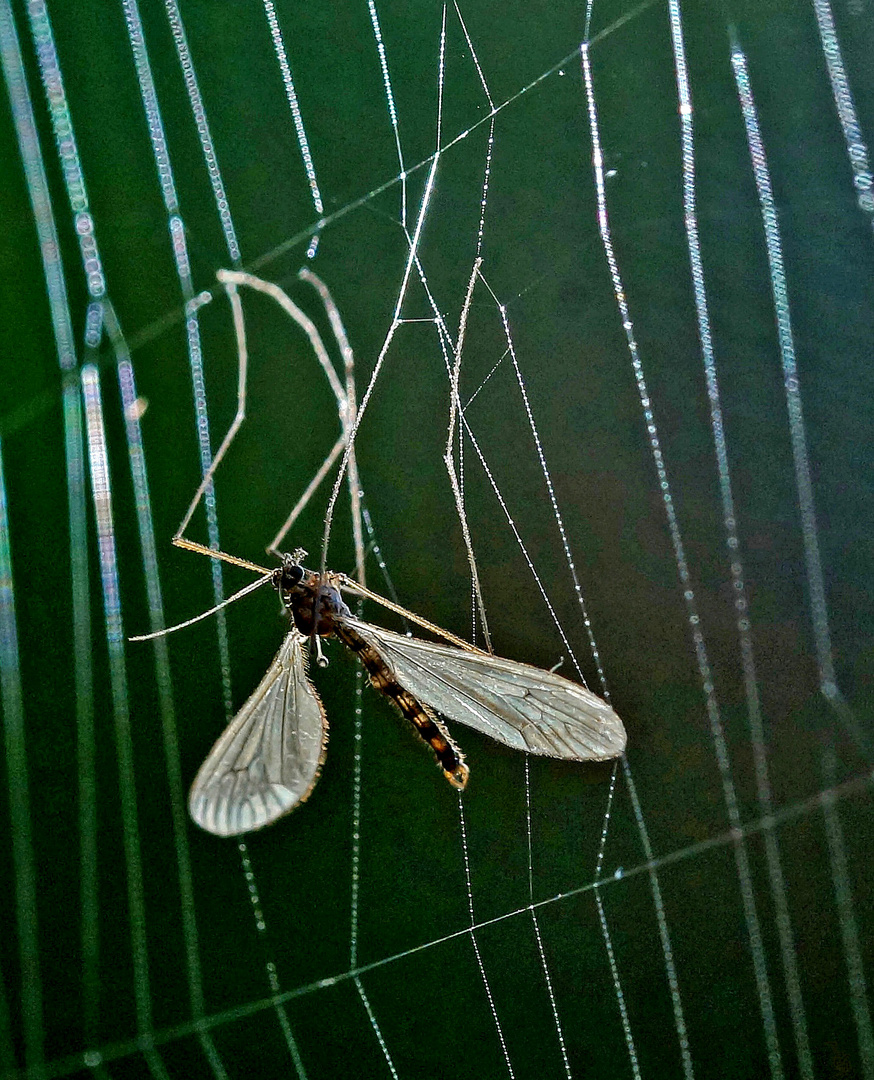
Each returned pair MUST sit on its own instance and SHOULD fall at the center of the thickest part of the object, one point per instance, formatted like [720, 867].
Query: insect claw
[459, 776]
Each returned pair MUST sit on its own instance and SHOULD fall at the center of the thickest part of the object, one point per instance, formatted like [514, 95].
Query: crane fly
[267, 760]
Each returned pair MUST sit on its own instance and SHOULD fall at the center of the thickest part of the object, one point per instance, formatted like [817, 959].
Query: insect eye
[291, 576]
[287, 576]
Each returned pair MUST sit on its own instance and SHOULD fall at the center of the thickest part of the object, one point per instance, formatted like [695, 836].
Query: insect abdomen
[427, 725]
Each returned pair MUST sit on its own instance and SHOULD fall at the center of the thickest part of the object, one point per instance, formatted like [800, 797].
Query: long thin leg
[243, 355]
[212, 553]
[300, 505]
[348, 585]
[455, 408]
[231, 279]
[347, 418]
[239, 277]
[346, 400]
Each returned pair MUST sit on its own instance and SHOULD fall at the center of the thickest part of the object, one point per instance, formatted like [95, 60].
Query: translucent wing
[519, 705]
[267, 759]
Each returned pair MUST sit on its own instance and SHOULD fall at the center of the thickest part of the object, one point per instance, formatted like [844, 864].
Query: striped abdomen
[450, 758]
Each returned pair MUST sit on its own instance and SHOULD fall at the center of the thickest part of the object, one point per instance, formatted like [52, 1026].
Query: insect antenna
[200, 549]
[206, 614]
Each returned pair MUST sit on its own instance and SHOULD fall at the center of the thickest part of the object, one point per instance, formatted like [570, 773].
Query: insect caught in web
[267, 760]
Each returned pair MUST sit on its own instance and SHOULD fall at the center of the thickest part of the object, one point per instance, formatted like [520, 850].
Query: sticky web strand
[459, 500]
[365, 400]
[850, 938]
[85, 734]
[540, 949]
[751, 916]
[617, 987]
[294, 106]
[371, 1016]
[390, 102]
[101, 315]
[449, 351]
[103, 311]
[198, 109]
[19, 794]
[24, 865]
[741, 601]
[655, 887]
[801, 457]
[295, 240]
[578, 591]
[102, 503]
[413, 243]
[347, 413]
[857, 148]
[355, 884]
[183, 270]
[801, 810]
[472, 932]
[553, 500]
[815, 579]
[456, 476]
[491, 137]
[452, 371]
[608, 941]
[452, 359]
[455, 471]
[165, 691]
[103, 511]
[163, 324]
[769, 826]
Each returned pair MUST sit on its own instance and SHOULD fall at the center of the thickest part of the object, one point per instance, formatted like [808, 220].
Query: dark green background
[544, 260]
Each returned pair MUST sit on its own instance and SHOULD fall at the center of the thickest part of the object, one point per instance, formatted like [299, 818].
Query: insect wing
[519, 705]
[267, 760]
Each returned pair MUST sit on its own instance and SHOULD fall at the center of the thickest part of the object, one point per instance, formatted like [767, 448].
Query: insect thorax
[312, 602]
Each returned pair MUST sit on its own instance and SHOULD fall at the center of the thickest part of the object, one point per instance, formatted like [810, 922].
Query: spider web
[639, 272]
